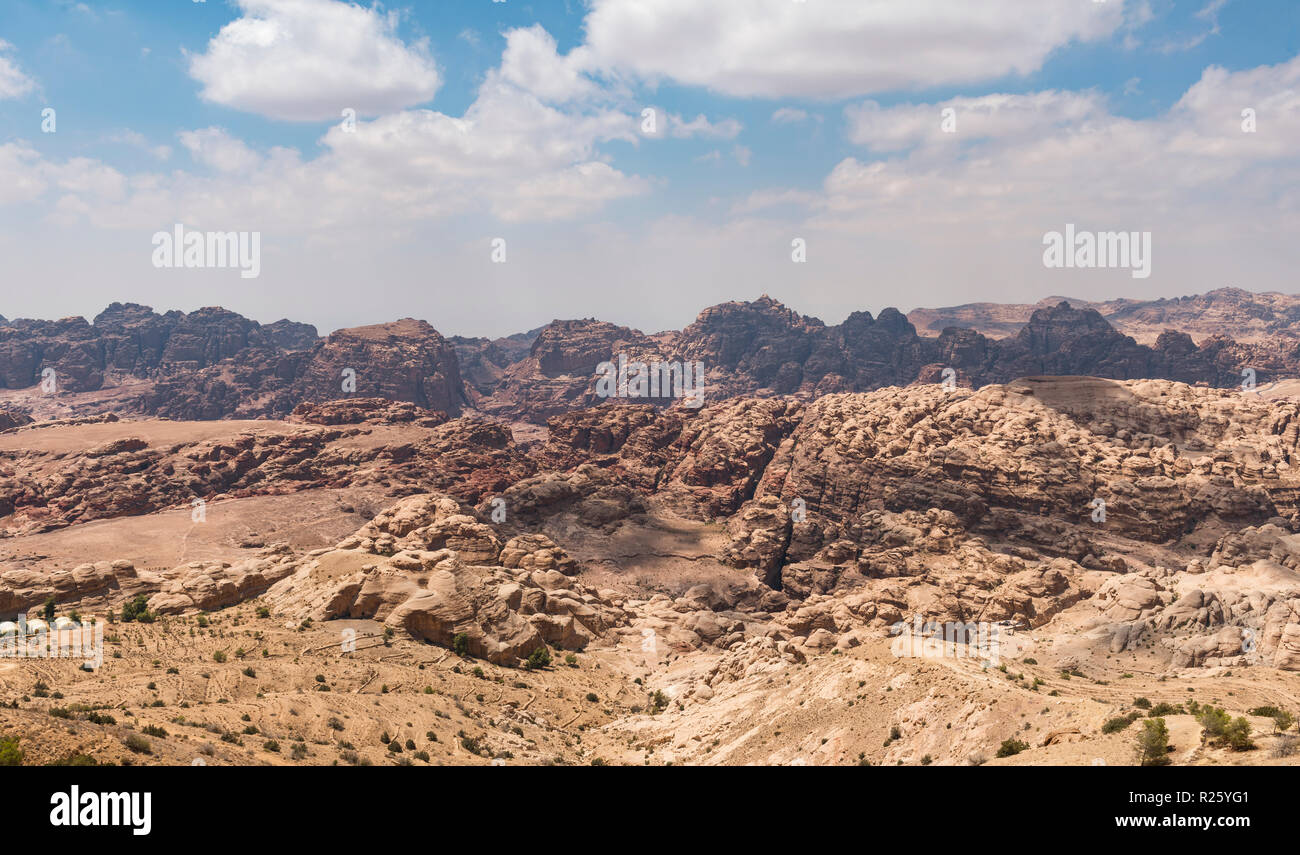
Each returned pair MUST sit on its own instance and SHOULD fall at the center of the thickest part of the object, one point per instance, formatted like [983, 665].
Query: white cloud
[511, 156]
[762, 200]
[672, 125]
[789, 116]
[307, 60]
[835, 48]
[700, 126]
[566, 193]
[13, 82]
[22, 173]
[138, 140]
[986, 117]
[532, 63]
[1210, 11]
[215, 148]
[1219, 201]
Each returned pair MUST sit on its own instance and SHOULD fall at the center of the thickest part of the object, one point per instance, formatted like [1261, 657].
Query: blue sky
[483, 119]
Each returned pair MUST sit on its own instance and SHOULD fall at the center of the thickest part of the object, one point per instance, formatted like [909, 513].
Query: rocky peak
[1049, 329]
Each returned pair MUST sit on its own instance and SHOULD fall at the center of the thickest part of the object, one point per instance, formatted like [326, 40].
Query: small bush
[1153, 743]
[10, 753]
[1115, 725]
[1237, 735]
[1012, 747]
[137, 610]
[137, 743]
[1214, 722]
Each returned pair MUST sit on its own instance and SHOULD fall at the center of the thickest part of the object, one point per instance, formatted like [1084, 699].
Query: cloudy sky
[773, 120]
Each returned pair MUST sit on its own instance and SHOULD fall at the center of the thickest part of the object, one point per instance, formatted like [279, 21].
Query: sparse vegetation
[1153, 743]
[137, 743]
[1115, 725]
[10, 753]
[137, 609]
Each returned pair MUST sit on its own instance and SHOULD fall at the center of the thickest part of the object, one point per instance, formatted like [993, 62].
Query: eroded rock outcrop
[428, 567]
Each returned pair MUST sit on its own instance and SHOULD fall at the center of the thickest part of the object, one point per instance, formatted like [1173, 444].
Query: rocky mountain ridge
[212, 363]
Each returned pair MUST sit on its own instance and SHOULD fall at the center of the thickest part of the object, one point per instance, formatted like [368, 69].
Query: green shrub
[137, 610]
[1011, 747]
[1153, 743]
[460, 644]
[1214, 722]
[539, 658]
[10, 753]
[1237, 735]
[137, 743]
[1115, 725]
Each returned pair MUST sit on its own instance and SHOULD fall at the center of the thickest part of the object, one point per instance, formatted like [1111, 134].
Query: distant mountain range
[1242, 315]
[213, 363]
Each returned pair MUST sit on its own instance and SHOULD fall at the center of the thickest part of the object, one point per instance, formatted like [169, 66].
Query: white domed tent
[8, 628]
